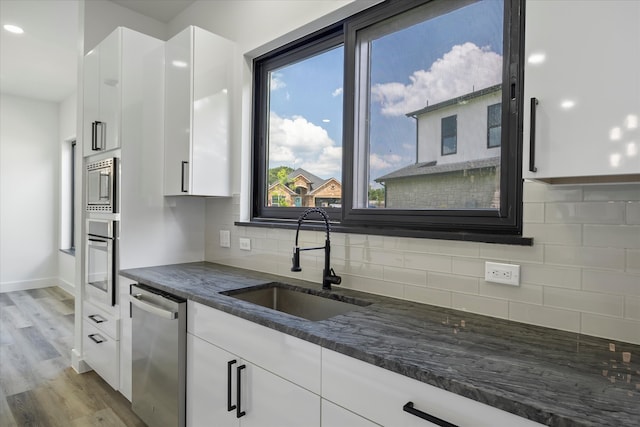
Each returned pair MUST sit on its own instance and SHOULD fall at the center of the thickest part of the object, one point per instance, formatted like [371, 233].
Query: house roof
[431, 168]
[458, 100]
[312, 179]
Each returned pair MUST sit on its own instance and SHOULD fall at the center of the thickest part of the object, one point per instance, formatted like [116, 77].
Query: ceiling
[42, 62]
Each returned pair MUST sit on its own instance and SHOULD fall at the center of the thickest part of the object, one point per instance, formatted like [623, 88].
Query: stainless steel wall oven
[102, 261]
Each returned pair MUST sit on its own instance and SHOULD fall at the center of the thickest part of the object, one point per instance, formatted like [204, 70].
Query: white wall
[29, 161]
[581, 275]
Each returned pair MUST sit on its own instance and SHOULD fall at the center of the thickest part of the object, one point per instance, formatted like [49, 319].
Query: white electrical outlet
[245, 244]
[225, 239]
[508, 274]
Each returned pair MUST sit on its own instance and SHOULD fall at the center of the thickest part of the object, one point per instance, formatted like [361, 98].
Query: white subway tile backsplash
[586, 302]
[615, 192]
[468, 267]
[582, 274]
[545, 274]
[544, 316]
[427, 296]
[633, 261]
[513, 254]
[611, 327]
[611, 282]
[583, 256]
[523, 293]
[563, 234]
[479, 304]
[533, 213]
[585, 213]
[613, 236]
[427, 262]
[405, 275]
[453, 283]
[632, 308]
[633, 213]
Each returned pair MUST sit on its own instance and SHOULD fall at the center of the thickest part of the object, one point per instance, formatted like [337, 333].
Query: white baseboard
[67, 287]
[29, 284]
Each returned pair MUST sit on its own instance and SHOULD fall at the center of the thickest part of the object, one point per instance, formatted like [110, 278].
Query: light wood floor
[37, 385]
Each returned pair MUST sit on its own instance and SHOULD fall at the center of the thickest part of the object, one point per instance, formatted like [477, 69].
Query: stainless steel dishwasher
[158, 357]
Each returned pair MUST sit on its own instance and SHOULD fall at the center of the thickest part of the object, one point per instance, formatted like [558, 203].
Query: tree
[279, 174]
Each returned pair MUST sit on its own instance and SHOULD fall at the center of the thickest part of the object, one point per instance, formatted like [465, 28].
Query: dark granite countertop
[553, 377]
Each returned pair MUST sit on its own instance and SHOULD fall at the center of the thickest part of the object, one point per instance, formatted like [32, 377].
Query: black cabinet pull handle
[97, 318]
[94, 136]
[532, 137]
[239, 411]
[182, 180]
[408, 407]
[98, 340]
[230, 407]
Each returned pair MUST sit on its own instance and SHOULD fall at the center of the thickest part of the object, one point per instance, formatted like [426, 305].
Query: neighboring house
[457, 156]
[305, 189]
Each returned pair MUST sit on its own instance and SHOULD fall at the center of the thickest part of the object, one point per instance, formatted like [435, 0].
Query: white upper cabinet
[582, 64]
[198, 77]
[113, 77]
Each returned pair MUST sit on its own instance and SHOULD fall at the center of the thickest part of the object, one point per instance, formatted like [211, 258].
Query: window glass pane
[494, 125]
[425, 81]
[304, 155]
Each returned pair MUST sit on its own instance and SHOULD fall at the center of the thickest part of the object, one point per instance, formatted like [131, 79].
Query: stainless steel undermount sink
[297, 301]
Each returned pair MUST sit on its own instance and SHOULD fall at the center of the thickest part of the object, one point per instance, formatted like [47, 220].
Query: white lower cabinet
[268, 396]
[101, 342]
[125, 337]
[380, 395]
[333, 415]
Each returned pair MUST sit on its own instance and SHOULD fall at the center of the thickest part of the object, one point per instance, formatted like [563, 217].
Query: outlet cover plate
[506, 274]
[245, 244]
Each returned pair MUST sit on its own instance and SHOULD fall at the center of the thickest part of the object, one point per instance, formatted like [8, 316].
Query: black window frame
[448, 131]
[503, 225]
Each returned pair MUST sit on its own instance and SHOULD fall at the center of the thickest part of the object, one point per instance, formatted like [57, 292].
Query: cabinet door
[336, 416]
[582, 66]
[109, 88]
[90, 106]
[270, 401]
[177, 121]
[207, 382]
[381, 395]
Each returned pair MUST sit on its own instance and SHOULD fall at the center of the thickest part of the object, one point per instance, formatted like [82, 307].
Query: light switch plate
[225, 239]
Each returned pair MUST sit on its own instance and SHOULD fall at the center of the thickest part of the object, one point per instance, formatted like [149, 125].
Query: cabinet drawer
[101, 319]
[291, 358]
[379, 395]
[101, 352]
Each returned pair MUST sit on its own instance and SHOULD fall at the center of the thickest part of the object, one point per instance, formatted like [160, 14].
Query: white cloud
[337, 92]
[276, 82]
[380, 162]
[461, 70]
[298, 143]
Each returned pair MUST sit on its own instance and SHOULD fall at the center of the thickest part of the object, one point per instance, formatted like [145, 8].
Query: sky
[428, 62]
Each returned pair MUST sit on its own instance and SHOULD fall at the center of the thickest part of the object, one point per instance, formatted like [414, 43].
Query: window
[67, 197]
[377, 104]
[449, 130]
[494, 121]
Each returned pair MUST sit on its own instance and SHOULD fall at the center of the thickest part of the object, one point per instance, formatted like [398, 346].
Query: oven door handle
[137, 301]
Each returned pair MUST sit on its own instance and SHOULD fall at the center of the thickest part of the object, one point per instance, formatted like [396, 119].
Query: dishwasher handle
[137, 301]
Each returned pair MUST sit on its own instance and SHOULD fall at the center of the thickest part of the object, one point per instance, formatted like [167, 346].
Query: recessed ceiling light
[13, 29]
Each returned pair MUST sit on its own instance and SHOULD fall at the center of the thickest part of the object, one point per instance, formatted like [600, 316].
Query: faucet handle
[333, 278]
[295, 261]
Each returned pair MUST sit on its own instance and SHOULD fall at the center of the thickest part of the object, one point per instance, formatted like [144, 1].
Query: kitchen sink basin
[297, 301]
